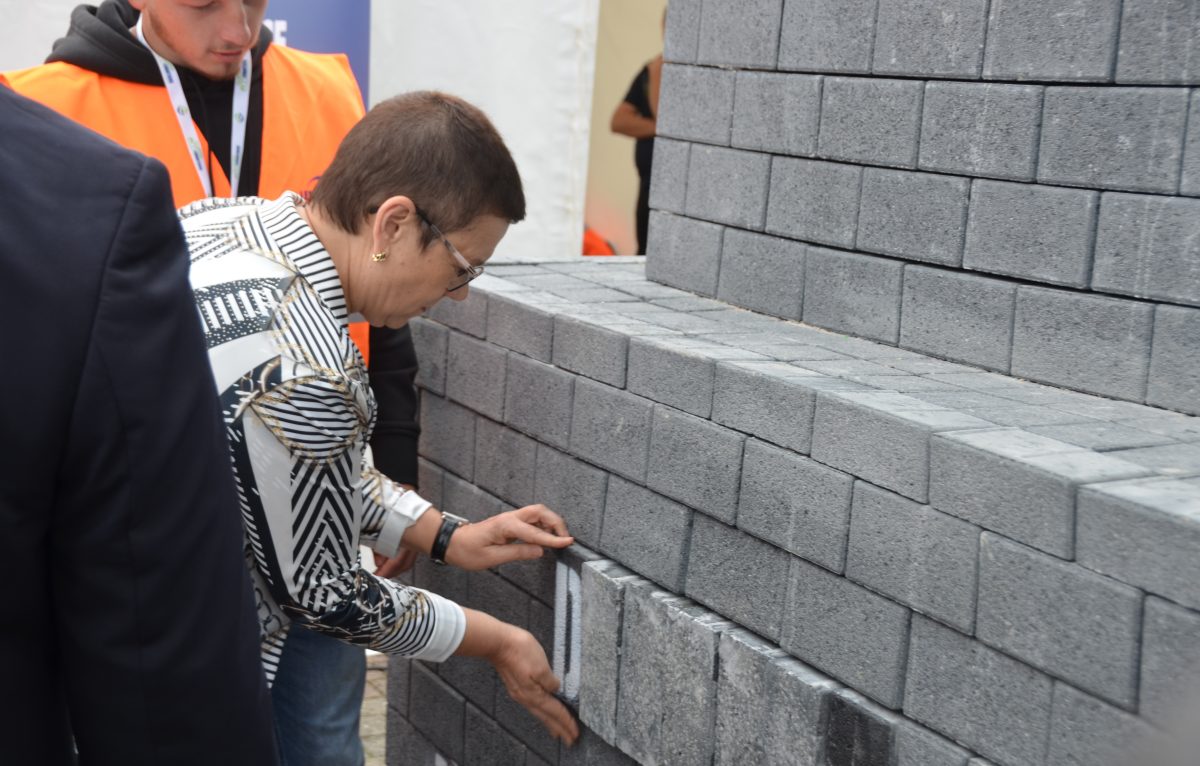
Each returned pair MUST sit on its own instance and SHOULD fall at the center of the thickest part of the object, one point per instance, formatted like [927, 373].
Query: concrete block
[882, 438]
[920, 557]
[590, 350]
[430, 341]
[1160, 43]
[1113, 138]
[491, 593]
[504, 462]
[739, 33]
[871, 120]
[763, 399]
[1085, 342]
[1085, 731]
[918, 746]
[681, 38]
[981, 129]
[536, 577]
[405, 744]
[777, 113]
[646, 532]
[738, 576]
[977, 696]
[1017, 484]
[430, 481]
[591, 750]
[538, 400]
[1100, 436]
[762, 273]
[463, 498]
[814, 201]
[440, 712]
[827, 35]
[1061, 618]
[957, 315]
[683, 253]
[1144, 533]
[472, 677]
[1040, 233]
[695, 462]
[728, 186]
[928, 38]
[1169, 424]
[795, 503]
[1165, 459]
[919, 216]
[602, 586]
[475, 374]
[668, 175]
[1190, 182]
[672, 372]
[452, 444]
[398, 684]
[1069, 40]
[853, 293]
[1149, 247]
[1170, 677]
[696, 104]
[520, 325]
[1175, 360]
[469, 316]
[847, 631]
[485, 743]
[860, 733]
[527, 729]
[611, 428]
[574, 490]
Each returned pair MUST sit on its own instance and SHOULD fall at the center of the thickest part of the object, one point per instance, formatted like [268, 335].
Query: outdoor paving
[373, 727]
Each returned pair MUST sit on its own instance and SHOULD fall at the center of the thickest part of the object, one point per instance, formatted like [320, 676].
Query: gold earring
[380, 256]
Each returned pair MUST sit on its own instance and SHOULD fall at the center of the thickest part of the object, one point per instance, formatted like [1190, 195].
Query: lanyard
[237, 131]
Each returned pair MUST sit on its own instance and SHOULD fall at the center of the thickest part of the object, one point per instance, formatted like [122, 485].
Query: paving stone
[452, 444]
[476, 374]
[1190, 182]
[1175, 360]
[430, 341]
[1165, 459]
[1145, 533]
[957, 315]
[573, 489]
[681, 37]
[695, 462]
[521, 323]
[814, 201]
[776, 113]
[684, 253]
[602, 588]
[1149, 247]
[1017, 484]
[1170, 661]
[918, 746]
[872, 120]
[929, 38]
[762, 273]
[977, 696]
[920, 557]
[1159, 43]
[696, 104]
[1113, 138]
[1085, 342]
[763, 399]
[920, 216]
[1040, 233]
[591, 350]
[646, 532]
[1068, 40]
[848, 292]
[847, 631]
[611, 428]
[668, 175]
[827, 35]
[740, 33]
[538, 400]
[469, 316]
[1085, 731]
[860, 733]
[504, 462]
[1100, 436]
[981, 129]
[1169, 424]
[796, 504]
[440, 714]
[728, 186]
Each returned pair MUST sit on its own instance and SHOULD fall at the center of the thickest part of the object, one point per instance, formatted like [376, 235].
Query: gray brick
[740, 33]
[668, 175]
[696, 104]
[1100, 436]
[463, 498]
[681, 38]
[1067, 40]
[763, 399]
[574, 489]
[1169, 424]
[981, 129]
[814, 201]
[1061, 618]
[728, 186]
[795, 503]
[695, 462]
[853, 293]
[776, 113]
[1084, 731]
[537, 578]
[1149, 247]
[914, 554]
[472, 677]
[1144, 533]
[1090, 343]
[538, 400]
[827, 35]
[1190, 182]
[1165, 459]
[448, 437]
[860, 733]
[486, 743]
[646, 532]
[397, 684]
[1040, 233]
[430, 341]
[847, 631]
[491, 593]
[591, 750]
[672, 372]
[504, 462]
[602, 599]
[959, 316]
[591, 350]
[405, 744]
[738, 576]
[913, 215]
[527, 729]
[882, 438]
[475, 375]
[440, 714]
[979, 697]
[762, 273]
[515, 323]
[1170, 660]
[611, 428]
[930, 38]
[430, 481]
[468, 315]
[871, 120]
[683, 253]
[1016, 483]
[917, 746]
[1113, 138]
[1159, 43]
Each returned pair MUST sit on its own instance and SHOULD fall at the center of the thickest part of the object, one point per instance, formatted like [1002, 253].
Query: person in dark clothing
[636, 117]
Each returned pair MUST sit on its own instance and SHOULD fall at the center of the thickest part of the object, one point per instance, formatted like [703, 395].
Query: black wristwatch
[450, 524]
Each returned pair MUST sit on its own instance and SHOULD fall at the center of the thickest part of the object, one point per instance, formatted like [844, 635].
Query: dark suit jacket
[127, 606]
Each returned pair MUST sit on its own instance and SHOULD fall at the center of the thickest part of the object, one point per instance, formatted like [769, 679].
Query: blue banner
[326, 26]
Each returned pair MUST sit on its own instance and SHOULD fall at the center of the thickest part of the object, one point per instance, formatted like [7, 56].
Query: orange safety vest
[310, 102]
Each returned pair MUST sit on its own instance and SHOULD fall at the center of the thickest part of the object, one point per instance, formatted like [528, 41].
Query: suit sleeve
[397, 428]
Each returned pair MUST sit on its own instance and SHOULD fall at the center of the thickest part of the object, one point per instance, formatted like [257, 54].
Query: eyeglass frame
[466, 269]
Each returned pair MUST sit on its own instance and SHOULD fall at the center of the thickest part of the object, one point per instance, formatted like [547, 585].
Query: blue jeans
[317, 697]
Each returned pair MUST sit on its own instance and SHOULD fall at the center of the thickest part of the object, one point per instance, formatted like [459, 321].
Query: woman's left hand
[512, 536]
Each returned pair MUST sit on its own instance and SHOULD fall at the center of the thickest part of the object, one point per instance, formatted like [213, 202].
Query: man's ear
[393, 217]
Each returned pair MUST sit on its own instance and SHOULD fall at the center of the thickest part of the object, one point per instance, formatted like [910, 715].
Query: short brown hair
[436, 149]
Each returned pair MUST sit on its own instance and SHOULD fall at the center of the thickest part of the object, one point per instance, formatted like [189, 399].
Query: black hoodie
[99, 40]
